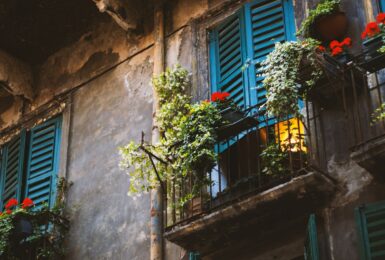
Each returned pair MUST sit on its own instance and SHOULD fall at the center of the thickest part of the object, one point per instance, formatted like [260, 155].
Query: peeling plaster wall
[111, 109]
[115, 108]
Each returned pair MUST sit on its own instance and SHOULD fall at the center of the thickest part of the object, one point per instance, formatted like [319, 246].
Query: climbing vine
[186, 146]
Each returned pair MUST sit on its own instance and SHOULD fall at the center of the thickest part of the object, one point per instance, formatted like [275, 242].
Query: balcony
[248, 195]
[369, 134]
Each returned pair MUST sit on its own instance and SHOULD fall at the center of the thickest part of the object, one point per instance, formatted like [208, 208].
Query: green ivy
[378, 114]
[282, 69]
[325, 7]
[187, 139]
[49, 227]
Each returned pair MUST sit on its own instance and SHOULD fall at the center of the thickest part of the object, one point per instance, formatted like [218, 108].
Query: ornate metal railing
[255, 154]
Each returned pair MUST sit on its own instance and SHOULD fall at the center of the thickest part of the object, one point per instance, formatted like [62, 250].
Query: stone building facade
[90, 64]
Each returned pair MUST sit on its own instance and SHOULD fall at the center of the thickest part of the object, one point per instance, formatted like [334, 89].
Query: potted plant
[285, 81]
[22, 235]
[374, 37]
[325, 23]
[338, 52]
[230, 112]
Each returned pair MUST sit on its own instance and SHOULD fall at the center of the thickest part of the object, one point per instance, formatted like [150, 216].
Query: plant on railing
[188, 136]
[282, 72]
[378, 114]
[27, 231]
[275, 160]
[374, 34]
[324, 8]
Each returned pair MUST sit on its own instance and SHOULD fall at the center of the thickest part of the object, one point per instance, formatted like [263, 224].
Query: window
[247, 37]
[311, 242]
[29, 164]
[371, 230]
[382, 5]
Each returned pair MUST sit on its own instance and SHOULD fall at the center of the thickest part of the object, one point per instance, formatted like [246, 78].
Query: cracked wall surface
[108, 74]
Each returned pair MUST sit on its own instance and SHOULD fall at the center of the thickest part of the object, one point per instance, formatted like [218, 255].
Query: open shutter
[382, 5]
[227, 58]
[194, 256]
[12, 169]
[371, 229]
[311, 242]
[42, 164]
[267, 22]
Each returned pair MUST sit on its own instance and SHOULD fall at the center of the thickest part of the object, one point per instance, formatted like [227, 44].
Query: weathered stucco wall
[113, 104]
[115, 108]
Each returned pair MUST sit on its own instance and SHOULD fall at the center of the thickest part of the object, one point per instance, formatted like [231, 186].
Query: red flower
[364, 34]
[334, 44]
[381, 18]
[8, 211]
[27, 202]
[372, 29]
[11, 203]
[219, 96]
[347, 42]
[336, 51]
[321, 48]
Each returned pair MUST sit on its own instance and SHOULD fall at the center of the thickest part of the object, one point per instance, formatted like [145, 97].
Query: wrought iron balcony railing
[255, 154]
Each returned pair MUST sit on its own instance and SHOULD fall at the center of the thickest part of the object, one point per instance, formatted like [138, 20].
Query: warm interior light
[290, 135]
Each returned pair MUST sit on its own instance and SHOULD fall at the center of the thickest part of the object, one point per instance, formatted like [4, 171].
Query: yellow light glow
[290, 135]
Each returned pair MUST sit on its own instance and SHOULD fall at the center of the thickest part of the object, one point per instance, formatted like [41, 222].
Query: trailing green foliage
[187, 139]
[325, 7]
[275, 161]
[379, 114]
[49, 227]
[282, 71]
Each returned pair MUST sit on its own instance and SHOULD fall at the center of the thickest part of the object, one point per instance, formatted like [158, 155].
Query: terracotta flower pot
[330, 27]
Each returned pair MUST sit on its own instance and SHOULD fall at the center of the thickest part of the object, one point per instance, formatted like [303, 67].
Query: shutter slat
[12, 169]
[42, 162]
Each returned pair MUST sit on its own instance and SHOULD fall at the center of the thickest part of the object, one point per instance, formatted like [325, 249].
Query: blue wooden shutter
[42, 166]
[371, 230]
[12, 169]
[227, 58]
[194, 256]
[267, 22]
[382, 5]
[311, 242]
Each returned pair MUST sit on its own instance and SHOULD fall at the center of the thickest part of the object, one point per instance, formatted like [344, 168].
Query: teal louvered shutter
[370, 221]
[382, 5]
[311, 251]
[194, 256]
[267, 22]
[227, 58]
[12, 169]
[42, 162]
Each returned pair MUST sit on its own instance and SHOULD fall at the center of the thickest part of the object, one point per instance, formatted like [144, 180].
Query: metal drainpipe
[156, 225]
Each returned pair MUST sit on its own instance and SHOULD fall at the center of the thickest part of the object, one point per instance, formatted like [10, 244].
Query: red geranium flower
[381, 18]
[336, 51]
[321, 48]
[347, 42]
[219, 96]
[11, 203]
[27, 202]
[334, 44]
[364, 34]
[372, 29]
[8, 211]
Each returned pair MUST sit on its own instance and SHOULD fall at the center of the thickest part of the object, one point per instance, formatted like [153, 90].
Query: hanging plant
[374, 35]
[188, 136]
[282, 72]
[325, 22]
[27, 231]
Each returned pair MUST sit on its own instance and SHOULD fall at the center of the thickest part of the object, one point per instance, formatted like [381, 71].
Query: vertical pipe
[156, 223]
